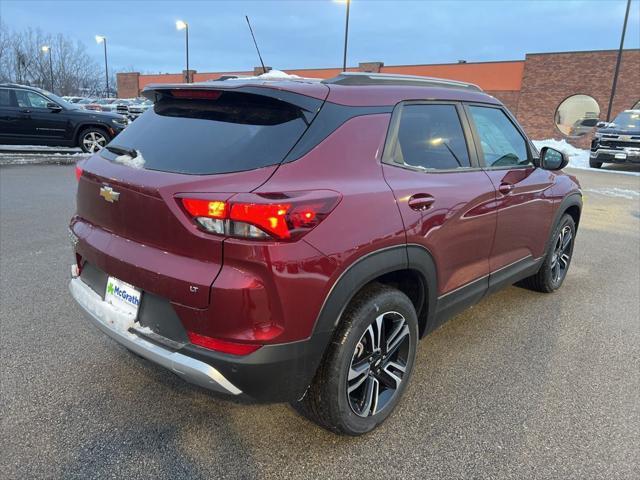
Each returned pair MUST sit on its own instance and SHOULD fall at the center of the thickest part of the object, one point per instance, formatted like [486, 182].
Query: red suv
[292, 240]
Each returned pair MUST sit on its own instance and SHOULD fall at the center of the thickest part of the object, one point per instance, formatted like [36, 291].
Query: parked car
[293, 241]
[617, 141]
[32, 116]
[138, 107]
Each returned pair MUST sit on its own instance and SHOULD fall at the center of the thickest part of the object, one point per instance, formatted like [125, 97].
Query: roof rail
[363, 78]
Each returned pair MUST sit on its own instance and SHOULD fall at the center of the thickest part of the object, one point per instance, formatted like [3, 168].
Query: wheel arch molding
[401, 266]
[88, 124]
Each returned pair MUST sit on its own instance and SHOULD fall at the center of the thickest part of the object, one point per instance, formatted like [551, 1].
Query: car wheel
[367, 366]
[92, 140]
[557, 260]
[594, 164]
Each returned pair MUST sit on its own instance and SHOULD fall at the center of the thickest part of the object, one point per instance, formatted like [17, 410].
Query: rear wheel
[594, 164]
[93, 139]
[367, 365]
[556, 263]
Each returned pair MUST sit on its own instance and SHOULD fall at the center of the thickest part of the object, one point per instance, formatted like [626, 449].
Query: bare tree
[23, 61]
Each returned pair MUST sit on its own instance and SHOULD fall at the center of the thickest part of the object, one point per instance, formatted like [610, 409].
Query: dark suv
[617, 141]
[32, 116]
[292, 240]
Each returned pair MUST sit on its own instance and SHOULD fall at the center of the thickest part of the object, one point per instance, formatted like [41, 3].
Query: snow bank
[578, 158]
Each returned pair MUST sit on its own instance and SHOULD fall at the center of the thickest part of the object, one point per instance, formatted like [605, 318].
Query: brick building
[533, 88]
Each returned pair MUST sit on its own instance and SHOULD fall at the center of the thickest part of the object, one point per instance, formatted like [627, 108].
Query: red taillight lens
[205, 208]
[78, 172]
[223, 346]
[283, 216]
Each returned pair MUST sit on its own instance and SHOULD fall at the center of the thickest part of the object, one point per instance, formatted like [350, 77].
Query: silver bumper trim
[608, 151]
[108, 319]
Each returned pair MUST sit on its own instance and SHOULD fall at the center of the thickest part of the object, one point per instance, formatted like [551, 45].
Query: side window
[501, 143]
[430, 137]
[30, 99]
[5, 97]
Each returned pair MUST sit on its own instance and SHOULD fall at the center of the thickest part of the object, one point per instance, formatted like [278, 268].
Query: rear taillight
[283, 216]
[78, 172]
[223, 346]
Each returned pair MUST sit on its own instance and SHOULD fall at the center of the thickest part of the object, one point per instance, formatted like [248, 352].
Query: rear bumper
[273, 373]
[105, 318]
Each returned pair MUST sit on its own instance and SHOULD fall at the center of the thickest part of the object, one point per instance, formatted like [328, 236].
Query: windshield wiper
[122, 150]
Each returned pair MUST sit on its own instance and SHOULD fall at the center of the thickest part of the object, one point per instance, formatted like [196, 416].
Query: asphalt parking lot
[523, 385]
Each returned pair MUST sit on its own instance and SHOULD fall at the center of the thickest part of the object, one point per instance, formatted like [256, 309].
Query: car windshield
[629, 120]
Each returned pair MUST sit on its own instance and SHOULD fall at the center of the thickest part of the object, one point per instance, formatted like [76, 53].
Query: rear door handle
[25, 110]
[420, 201]
[505, 188]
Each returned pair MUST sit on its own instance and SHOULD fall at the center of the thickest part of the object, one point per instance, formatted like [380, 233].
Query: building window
[577, 115]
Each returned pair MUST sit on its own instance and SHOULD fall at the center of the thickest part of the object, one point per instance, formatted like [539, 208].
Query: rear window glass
[233, 132]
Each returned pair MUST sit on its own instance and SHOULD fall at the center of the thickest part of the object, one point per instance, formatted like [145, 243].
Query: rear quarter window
[233, 132]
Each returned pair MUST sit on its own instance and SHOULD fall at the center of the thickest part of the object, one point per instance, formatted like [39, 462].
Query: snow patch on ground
[129, 161]
[578, 158]
[615, 192]
[39, 148]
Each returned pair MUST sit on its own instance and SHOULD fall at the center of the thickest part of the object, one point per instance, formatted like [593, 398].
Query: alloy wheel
[378, 364]
[94, 142]
[561, 254]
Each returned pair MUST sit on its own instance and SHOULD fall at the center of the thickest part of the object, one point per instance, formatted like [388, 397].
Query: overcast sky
[299, 33]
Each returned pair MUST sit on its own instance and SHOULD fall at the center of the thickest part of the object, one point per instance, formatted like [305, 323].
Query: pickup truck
[617, 141]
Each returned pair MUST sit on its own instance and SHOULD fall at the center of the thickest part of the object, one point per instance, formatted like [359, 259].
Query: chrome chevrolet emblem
[109, 194]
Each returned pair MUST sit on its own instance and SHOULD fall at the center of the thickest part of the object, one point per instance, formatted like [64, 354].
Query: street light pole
[47, 49]
[618, 60]
[182, 25]
[102, 39]
[346, 39]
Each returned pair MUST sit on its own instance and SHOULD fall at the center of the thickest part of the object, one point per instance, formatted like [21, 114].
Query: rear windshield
[228, 133]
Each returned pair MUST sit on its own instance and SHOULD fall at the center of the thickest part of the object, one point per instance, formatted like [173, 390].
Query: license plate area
[123, 297]
[620, 156]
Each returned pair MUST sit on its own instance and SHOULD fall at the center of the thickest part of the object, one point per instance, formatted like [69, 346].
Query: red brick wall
[550, 78]
[128, 84]
[510, 99]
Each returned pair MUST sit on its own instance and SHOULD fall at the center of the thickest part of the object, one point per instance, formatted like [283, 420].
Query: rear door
[9, 116]
[523, 201]
[445, 199]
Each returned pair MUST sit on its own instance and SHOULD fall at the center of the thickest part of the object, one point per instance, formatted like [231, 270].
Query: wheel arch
[410, 268]
[571, 205]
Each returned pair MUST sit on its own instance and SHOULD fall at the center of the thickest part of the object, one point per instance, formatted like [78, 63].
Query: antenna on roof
[264, 70]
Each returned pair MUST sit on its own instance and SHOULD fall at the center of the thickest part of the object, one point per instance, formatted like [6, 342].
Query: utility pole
[618, 60]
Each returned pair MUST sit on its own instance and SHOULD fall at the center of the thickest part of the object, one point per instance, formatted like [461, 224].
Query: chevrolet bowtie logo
[109, 194]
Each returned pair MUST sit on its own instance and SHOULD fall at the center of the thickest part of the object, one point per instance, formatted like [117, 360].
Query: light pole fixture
[47, 49]
[102, 39]
[182, 25]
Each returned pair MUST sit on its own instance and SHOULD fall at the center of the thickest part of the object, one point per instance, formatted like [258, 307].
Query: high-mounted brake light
[283, 216]
[196, 94]
[224, 346]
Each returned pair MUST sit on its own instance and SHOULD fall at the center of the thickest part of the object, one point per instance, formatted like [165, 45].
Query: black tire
[594, 164]
[95, 133]
[329, 401]
[555, 266]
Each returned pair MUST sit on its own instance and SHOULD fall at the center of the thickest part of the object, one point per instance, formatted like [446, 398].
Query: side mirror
[552, 159]
[54, 107]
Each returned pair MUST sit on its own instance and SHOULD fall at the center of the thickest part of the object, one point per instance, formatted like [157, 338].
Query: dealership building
[553, 95]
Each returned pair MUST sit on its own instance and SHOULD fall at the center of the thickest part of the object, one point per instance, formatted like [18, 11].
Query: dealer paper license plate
[122, 296]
